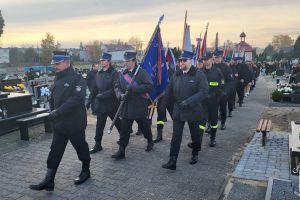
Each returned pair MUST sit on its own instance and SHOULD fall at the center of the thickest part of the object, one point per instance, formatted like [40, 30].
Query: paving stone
[140, 175]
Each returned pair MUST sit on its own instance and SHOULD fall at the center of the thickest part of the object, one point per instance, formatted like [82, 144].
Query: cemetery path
[140, 175]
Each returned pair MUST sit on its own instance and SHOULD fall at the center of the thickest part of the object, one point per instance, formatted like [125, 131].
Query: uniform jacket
[228, 77]
[191, 87]
[136, 105]
[243, 72]
[105, 82]
[215, 81]
[68, 99]
[90, 79]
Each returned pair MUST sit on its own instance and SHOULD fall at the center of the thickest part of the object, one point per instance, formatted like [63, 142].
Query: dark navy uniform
[90, 81]
[135, 107]
[105, 102]
[242, 81]
[231, 98]
[90, 78]
[67, 99]
[215, 81]
[227, 90]
[187, 91]
[69, 120]
[162, 113]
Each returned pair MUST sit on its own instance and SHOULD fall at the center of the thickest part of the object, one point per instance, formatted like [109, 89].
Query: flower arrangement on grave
[45, 92]
[21, 86]
[10, 88]
[286, 89]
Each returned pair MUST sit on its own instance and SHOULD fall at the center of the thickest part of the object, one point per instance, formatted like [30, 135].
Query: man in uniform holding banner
[135, 105]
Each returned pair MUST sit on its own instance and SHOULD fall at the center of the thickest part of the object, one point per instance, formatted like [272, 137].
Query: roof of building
[243, 46]
[243, 34]
[118, 47]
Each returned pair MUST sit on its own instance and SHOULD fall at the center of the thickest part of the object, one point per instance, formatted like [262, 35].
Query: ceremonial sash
[128, 79]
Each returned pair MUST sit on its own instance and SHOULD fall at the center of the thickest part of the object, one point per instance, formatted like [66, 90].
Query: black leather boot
[47, 183]
[212, 142]
[208, 129]
[171, 164]
[190, 145]
[159, 136]
[96, 148]
[84, 174]
[230, 114]
[139, 132]
[223, 127]
[149, 146]
[120, 154]
[194, 158]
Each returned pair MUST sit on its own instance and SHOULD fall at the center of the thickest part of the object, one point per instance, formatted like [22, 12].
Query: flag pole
[152, 37]
[184, 26]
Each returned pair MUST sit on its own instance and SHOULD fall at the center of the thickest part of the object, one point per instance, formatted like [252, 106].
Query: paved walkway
[140, 175]
[261, 163]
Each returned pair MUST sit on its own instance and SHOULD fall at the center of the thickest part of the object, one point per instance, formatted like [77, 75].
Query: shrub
[277, 96]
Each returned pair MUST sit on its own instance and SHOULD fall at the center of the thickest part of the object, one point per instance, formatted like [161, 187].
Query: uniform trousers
[59, 143]
[212, 110]
[143, 123]
[195, 132]
[162, 114]
[240, 92]
[223, 108]
[101, 121]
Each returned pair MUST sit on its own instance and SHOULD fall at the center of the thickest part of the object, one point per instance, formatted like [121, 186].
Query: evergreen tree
[1, 23]
[296, 52]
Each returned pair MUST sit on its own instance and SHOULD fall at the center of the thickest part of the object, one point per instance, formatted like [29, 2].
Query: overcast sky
[72, 21]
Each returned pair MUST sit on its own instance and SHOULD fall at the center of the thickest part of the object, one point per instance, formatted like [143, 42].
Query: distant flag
[217, 42]
[233, 53]
[239, 51]
[244, 56]
[154, 62]
[186, 44]
[171, 59]
[203, 48]
[198, 48]
[225, 52]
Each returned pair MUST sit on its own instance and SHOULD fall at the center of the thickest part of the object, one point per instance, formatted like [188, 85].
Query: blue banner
[155, 64]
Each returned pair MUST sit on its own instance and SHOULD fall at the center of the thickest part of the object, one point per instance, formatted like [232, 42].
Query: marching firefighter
[69, 120]
[161, 112]
[104, 98]
[135, 108]
[215, 81]
[204, 116]
[242, 80]
[187, 88]
[228, 86]
[231, 98]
